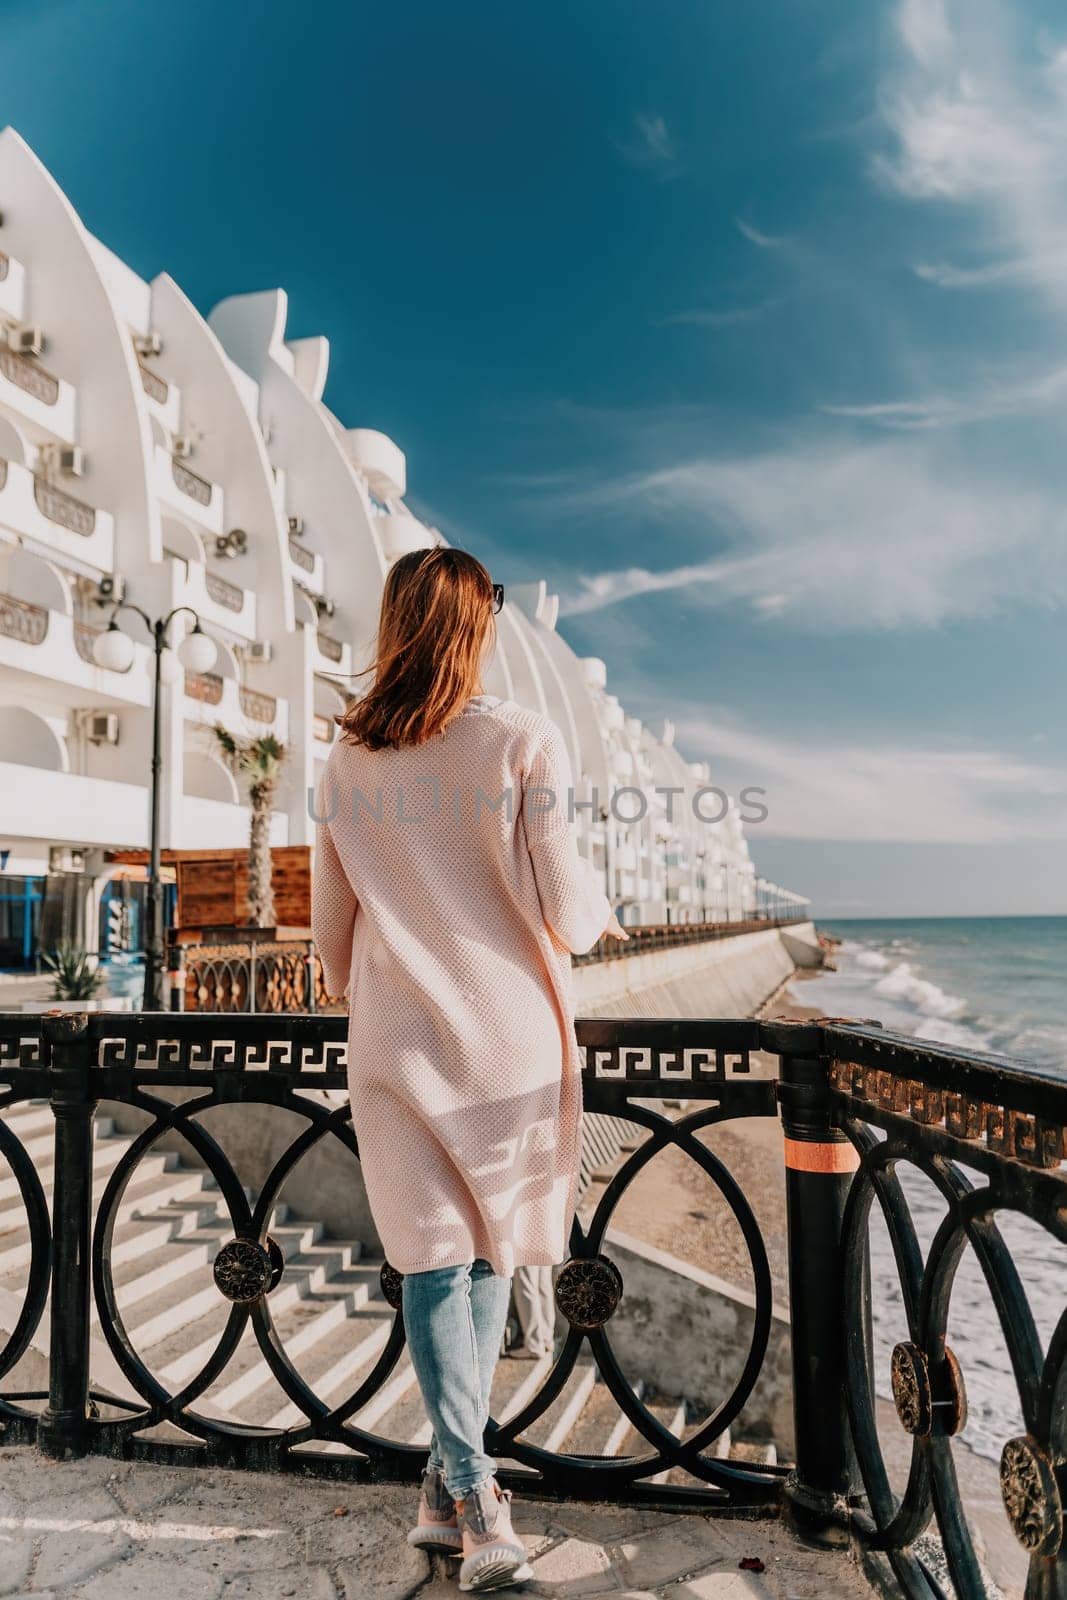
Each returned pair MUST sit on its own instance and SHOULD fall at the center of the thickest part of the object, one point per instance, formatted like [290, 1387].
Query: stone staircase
[328, 1310]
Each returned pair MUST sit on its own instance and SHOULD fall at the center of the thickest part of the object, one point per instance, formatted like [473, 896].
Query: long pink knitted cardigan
[448, 894]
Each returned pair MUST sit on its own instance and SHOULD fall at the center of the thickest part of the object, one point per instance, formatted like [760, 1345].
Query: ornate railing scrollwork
[204, 686]
[989, 1137]
[224, 594]
[980, 1129]
[63, 508]
[155, 387]
[20, 619]
[190, 482]
[301, 554]
[246, 1269]
[258, 707]
[25, 372]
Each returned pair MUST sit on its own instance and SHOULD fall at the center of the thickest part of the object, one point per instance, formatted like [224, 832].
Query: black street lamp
[114, 649]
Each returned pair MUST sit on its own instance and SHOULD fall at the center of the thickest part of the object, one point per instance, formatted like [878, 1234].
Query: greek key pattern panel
[998, 1129]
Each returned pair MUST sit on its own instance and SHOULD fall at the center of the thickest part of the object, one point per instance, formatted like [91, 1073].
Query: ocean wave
[928, 998]
[871, 960]
[944, 1031]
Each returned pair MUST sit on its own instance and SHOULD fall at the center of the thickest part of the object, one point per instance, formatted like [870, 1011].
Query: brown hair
[437, 612]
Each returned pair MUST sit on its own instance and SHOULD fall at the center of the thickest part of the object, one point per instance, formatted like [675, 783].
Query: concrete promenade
[106, 1530]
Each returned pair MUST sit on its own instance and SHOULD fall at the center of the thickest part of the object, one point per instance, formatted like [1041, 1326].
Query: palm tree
[259, 762]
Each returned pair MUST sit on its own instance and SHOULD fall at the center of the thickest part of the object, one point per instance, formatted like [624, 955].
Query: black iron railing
[857, 1107]
[667, 935]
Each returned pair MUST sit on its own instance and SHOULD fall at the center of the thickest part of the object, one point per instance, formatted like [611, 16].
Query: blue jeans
[454, 1320]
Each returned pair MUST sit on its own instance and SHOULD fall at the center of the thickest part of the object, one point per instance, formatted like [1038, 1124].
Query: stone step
[107, 1153]
[672, 1416]
[40, 1147]
[175, 1288]
[602, 1426]
[337, 1363]
[304, 1310]
[554, 1424]
[31, 1117]
[157, 1182]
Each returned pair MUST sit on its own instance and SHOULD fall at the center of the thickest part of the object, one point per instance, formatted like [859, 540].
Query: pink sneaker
[437, 1527]
[493, 1554]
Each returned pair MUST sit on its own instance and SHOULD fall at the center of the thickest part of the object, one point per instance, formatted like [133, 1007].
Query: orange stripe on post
[801, 1156]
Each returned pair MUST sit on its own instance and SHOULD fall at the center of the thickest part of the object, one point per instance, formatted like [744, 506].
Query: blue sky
[745, 326]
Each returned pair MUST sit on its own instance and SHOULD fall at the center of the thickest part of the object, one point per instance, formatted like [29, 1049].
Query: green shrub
[74, 977]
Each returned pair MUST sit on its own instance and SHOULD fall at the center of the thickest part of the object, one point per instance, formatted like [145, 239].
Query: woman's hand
[614, 929]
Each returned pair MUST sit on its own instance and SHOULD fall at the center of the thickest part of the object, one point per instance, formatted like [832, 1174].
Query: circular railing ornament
[245, 1270]
[911, 1390]
[917, 1397]
[588, 1291]
[1031, 1496]
[392, 1286]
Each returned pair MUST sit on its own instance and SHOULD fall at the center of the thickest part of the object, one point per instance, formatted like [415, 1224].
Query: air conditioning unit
[72, 462]
[296, 527]
[148, 344]
[103, 727]
[26, 341]
[111, 589]
[261, 650]
[181, 446]
[62, 858]
[231, 544]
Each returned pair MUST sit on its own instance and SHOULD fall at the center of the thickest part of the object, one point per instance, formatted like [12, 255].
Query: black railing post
[63, 1426]
[819, 1163]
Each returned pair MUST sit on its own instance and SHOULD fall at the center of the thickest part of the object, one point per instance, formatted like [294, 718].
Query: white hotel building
[147, 451]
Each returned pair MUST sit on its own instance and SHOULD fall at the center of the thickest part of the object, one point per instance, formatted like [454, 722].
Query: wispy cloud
[840, 536]
[1022, 271]
[978, 115]
[1007, 397]
[718, 316]
[649, 145]
[889, 792]
[754, 235]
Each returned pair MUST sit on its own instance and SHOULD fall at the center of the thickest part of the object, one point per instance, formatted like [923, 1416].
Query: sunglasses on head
[498, 596]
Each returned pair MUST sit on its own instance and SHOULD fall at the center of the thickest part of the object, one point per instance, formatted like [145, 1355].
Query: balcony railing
[258, 707]
[190, 482]
[5, 266]
[857, 1106]
[3, 473]
[248, 970]
[205, 686]
[224, 594]
[155, 387]
[20, 619]
[332, 649]
[63, 509]
[301, 555]
[26, 373]
[323, 728]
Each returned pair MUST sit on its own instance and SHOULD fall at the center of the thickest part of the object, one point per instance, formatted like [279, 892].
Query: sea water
[978, 983]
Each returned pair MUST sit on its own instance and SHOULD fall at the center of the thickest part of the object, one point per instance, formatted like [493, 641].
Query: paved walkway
[106, 1530]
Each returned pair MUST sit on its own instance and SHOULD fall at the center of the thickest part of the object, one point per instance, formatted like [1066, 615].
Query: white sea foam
[945, 1031]
[870, 960]
[904, 983]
